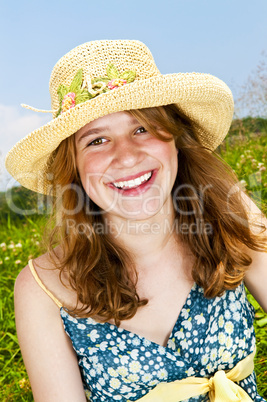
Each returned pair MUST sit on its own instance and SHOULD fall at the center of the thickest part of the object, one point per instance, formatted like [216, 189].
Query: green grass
[22, 239]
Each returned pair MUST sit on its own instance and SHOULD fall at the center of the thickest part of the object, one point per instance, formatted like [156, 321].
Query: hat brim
[205, 99]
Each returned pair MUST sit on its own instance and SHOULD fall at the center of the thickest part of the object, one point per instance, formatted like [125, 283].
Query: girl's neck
[146, 240]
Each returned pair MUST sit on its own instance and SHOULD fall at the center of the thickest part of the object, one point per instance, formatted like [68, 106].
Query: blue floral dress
[209, 335]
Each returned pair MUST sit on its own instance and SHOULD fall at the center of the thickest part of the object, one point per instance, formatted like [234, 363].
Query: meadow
[20, 240]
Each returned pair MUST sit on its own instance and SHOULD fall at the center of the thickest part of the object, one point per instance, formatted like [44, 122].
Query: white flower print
[240, 353]
[210, 368]
[162, 374]
[123, 371]
[103, 346]
[135, 367]
[214, 327]
[130, 364]
[136, 341]
[236, 316]
[81, 326]
[229, 327]
[171, 343]
[92, 351]
[179, 334]
[134, 354]
[115, 383]
[94, 359]
[85, 363]
[200, 319]
[90, 321]
[232, 296]
[221, 321]
[93, 335]
[221, 338]
[213, 354]
[184, 344]
[152, 383]
[187, 324]
[185, 313]
[112, 372]
[124, 359]
[229, 342]
[133, 377]
[99, 368]
[221, 350]
[72, 319]
[146, 377]
[190, 372]
[63, 312]
[114, 350]
[122, 345]
[146, 342]
[217, 309]
[125, 389]
[99, 387]
[233, 307]
[205, 359]
[226, 357]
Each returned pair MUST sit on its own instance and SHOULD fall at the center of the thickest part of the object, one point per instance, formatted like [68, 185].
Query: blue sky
[224, 38]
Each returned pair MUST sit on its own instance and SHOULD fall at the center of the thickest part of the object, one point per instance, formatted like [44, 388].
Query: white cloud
[15, 123]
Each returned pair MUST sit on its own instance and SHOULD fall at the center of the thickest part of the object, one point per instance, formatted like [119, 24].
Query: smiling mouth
[134, 182]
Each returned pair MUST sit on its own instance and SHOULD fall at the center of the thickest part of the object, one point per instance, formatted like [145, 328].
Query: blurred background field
[245, 149]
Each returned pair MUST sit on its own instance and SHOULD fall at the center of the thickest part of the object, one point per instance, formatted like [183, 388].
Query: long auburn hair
[103, 274]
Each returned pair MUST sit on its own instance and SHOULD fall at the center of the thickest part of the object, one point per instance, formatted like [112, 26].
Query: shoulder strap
[40, 283]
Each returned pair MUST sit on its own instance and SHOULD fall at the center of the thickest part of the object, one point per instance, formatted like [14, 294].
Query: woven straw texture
[202, 97]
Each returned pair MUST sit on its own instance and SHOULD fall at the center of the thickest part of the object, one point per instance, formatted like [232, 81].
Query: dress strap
[40, 283]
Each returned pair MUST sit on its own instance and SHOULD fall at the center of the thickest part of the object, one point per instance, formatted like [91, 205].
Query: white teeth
[133, 183]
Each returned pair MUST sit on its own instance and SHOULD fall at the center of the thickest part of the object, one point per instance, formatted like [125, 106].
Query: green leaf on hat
[82, 97]
[62, 91]
[129, 76]
[77, 81]
[112, 71]
[101, 79]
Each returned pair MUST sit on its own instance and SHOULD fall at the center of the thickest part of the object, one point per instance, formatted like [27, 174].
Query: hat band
[81, 90]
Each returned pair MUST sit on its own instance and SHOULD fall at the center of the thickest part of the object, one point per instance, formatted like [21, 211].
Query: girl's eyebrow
[92, 131]
[98, 130]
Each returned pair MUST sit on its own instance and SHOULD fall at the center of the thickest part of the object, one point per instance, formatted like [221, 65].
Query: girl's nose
[127, 154]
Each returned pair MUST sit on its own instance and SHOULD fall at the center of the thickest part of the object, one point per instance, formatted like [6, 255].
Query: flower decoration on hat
[83, 89]
[68, 101]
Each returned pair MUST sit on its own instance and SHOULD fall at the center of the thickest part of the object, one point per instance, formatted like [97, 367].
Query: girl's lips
[135, 191]
[132, 177]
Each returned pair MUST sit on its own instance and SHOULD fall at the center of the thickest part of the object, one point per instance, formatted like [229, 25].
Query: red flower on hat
[116, 83]
[68, 101]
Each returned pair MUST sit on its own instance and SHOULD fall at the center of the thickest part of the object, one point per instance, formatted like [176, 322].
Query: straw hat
[107, 76]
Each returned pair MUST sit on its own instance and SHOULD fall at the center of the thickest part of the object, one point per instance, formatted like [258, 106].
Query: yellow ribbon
[221, 387]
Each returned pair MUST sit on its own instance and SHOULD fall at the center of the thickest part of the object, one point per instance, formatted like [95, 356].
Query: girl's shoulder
[40, 280]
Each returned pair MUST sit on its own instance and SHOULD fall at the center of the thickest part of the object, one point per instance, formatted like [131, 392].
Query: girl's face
[124, 169]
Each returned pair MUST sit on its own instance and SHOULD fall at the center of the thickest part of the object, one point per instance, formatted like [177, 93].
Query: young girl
[140, 295]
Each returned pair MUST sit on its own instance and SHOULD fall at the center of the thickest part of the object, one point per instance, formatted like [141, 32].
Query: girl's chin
[130, 213]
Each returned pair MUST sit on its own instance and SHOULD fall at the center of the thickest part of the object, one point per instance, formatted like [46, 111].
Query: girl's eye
[97, 141]
[141, 130]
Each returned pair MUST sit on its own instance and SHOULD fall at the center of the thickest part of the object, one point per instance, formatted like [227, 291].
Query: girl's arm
[256, 276]
[47, 351]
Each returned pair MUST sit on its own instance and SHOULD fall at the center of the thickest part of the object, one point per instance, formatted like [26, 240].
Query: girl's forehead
[106, 123]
